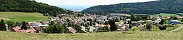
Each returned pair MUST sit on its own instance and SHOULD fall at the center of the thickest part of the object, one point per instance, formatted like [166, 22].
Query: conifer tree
[24, 26]
[2, 25]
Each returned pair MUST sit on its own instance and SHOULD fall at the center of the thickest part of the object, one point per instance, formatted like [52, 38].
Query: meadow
[131, 35]
[164, 15]
[22, 16]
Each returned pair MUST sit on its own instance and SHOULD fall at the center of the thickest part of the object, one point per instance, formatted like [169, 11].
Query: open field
[138, 35]
[164, 15]
[22, 16]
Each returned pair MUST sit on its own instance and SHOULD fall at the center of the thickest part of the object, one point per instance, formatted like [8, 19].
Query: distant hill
[29, 6]
[161, 6]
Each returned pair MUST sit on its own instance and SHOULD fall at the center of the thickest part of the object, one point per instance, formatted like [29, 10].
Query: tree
[17, 24]
[148, 26]
[175, 6]
[55, 28]
[2, 25]
[24, 26]
[112, 24]
[30, 6]
[10, 23]
[162, 21]
[51, 23]
[173, 17]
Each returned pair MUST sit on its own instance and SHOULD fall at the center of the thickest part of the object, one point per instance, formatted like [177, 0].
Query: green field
[22, 16]
[164, 15]
[138, 35]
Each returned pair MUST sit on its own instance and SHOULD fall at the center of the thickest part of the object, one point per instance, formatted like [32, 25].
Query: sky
[78, 5]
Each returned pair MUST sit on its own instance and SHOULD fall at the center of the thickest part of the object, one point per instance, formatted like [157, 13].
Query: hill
[29, 6]
[161, 6]
[22, 16]
[140, 35]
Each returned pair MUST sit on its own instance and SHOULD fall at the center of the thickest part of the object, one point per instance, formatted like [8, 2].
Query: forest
[30, 6]
[152, 7]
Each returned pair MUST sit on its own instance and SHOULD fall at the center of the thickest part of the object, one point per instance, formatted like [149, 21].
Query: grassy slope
[153, 35]
[21, 16]
[164, 15]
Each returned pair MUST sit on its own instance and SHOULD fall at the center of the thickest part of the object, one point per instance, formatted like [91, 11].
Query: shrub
[135, 29]
[162, 27]
[55, 28]
[10, 23]
[78, 28]
[17, 24]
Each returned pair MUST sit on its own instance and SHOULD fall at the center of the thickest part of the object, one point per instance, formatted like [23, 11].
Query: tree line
[30, 6]
[161, 6]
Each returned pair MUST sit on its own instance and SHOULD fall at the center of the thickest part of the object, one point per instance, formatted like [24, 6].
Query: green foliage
[55, 28]
[174, 6]
[17, 24]
[112, 24]
[2, 25]
[10, 23]
[139, 17]
[161, 27]
[165, 22]
[149, 26]
[24, 25]
[135, 29]
[174, 17]
[78, 28]
[30, 6]
[51, 23]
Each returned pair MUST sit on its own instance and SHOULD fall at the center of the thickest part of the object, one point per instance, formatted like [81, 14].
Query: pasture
[131, 35]
[22, 16]
[164, 15]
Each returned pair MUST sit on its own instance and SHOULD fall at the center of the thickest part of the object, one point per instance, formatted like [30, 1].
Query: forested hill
[161, 6]
[29, 6]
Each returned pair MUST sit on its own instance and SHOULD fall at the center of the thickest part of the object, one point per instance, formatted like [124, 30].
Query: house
[38, 26]
[18, 29]
[70, 30]
[123, 27]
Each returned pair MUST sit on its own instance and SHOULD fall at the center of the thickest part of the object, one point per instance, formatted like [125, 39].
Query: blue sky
[83, 4]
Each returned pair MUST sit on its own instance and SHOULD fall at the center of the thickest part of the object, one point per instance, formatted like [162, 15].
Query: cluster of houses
[33, 27]
[89, 23]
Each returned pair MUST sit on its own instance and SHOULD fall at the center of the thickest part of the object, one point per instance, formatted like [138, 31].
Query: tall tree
[2, 25]
[112, 24]
[24, 25]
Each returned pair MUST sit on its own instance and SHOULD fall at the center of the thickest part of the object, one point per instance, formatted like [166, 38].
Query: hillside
[140, 35]
[29, 6]
[161, 6]
[22, 16]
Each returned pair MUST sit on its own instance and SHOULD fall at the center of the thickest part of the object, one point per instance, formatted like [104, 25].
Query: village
[88, 23]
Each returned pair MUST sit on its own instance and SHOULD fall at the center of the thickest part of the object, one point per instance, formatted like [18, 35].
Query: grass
[164, 15]
[132, 35]
[22, 16]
